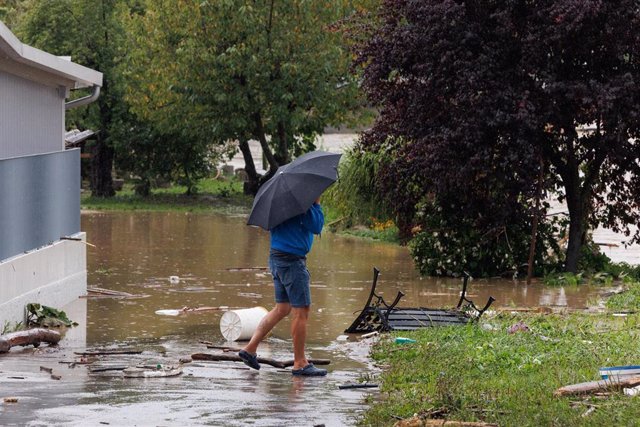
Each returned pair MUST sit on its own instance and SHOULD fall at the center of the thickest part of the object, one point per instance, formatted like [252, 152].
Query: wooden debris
[10, 400]
[614, 383]
[135, 372]
[430, 422]
[56, 377]
[106, 352]
[77, 239]
[362, 385]
[236, 358]
[29, 337]
[224, 348]
[247, 268]
[93, 292]
[540, 309]
[176, 312]
[369, 335]
[108, 368]
[49, 370]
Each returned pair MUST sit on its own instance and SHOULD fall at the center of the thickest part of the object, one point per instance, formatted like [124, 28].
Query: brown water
[222, 262]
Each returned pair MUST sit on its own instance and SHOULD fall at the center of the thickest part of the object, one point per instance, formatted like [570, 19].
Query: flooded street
[219, 261]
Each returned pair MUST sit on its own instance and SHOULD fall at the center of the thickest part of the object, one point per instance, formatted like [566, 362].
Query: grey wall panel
[31, 117]
[39, 200]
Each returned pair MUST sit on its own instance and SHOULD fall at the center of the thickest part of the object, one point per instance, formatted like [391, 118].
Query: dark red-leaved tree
[476, 95]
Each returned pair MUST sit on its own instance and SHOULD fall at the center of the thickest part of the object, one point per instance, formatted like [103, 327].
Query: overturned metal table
[377, 315]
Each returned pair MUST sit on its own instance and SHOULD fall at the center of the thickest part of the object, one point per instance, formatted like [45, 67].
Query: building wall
[39, 201]
[31, 117]
[54, 275]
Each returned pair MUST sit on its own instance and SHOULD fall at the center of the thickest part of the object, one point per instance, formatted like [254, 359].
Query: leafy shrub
[356, 195]
[445, 244]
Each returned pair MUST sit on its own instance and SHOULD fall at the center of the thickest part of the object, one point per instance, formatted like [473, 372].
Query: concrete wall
[31, 117]
[39, 201]
[54, 275]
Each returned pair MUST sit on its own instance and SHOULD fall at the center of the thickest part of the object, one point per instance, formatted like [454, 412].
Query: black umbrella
[294, 188]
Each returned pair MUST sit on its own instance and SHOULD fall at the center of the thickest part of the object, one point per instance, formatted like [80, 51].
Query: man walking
[290, 243]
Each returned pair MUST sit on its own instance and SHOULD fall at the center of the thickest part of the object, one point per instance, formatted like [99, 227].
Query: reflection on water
[222, 262]
[219, 261]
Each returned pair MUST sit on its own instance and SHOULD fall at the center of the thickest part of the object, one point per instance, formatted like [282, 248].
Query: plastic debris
[403, 340]
[518, 327]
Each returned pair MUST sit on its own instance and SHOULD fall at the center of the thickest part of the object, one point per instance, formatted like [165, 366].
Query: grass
[625, 301]
[475, 373]
[213, 196]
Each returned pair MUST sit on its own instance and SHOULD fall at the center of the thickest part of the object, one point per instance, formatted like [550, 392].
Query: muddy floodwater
[175, 260]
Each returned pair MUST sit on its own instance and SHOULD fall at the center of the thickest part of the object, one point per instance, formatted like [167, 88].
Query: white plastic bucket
[239, 325]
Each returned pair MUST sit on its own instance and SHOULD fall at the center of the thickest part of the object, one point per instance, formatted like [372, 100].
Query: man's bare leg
[299, 335]
[279, 312]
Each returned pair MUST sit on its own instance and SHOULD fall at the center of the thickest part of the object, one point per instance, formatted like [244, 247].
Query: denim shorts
[291, 279]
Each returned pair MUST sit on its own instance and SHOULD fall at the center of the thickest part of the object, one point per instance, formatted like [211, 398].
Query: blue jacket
[295, 235]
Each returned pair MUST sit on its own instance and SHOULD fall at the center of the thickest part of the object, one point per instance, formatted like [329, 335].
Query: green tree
[89, 31]
[11, 10]
[479, 98]
[226, 72]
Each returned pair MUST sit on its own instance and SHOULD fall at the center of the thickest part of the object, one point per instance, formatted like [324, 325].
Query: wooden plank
[595, 386]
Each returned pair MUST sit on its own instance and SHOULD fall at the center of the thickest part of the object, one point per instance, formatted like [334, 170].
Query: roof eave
[36, 58]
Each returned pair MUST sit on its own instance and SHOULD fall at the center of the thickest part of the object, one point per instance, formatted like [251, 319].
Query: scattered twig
[363, 385]
[223, 348]
[235, 358]
[427, 422]
[49, 370]
[247, 269]
[106, 352]
[77, 239]
[93, 292]
[108, 368]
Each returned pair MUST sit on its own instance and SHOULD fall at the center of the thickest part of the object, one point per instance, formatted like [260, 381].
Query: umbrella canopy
[294, 188]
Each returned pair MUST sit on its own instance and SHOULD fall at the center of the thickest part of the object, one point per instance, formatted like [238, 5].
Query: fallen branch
[77, 239]
[247, 269]
[176, 312]
[429, 422]
[223, 348]
[29, 337]
[107, 292]
[106, 352]
[235, 358]
[598, 386]
[363, 385]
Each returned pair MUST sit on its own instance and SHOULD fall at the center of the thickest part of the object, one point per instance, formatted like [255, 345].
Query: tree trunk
[282, 153]
[252, 185]
[101, 166]
[578, 211]
[273, 163]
